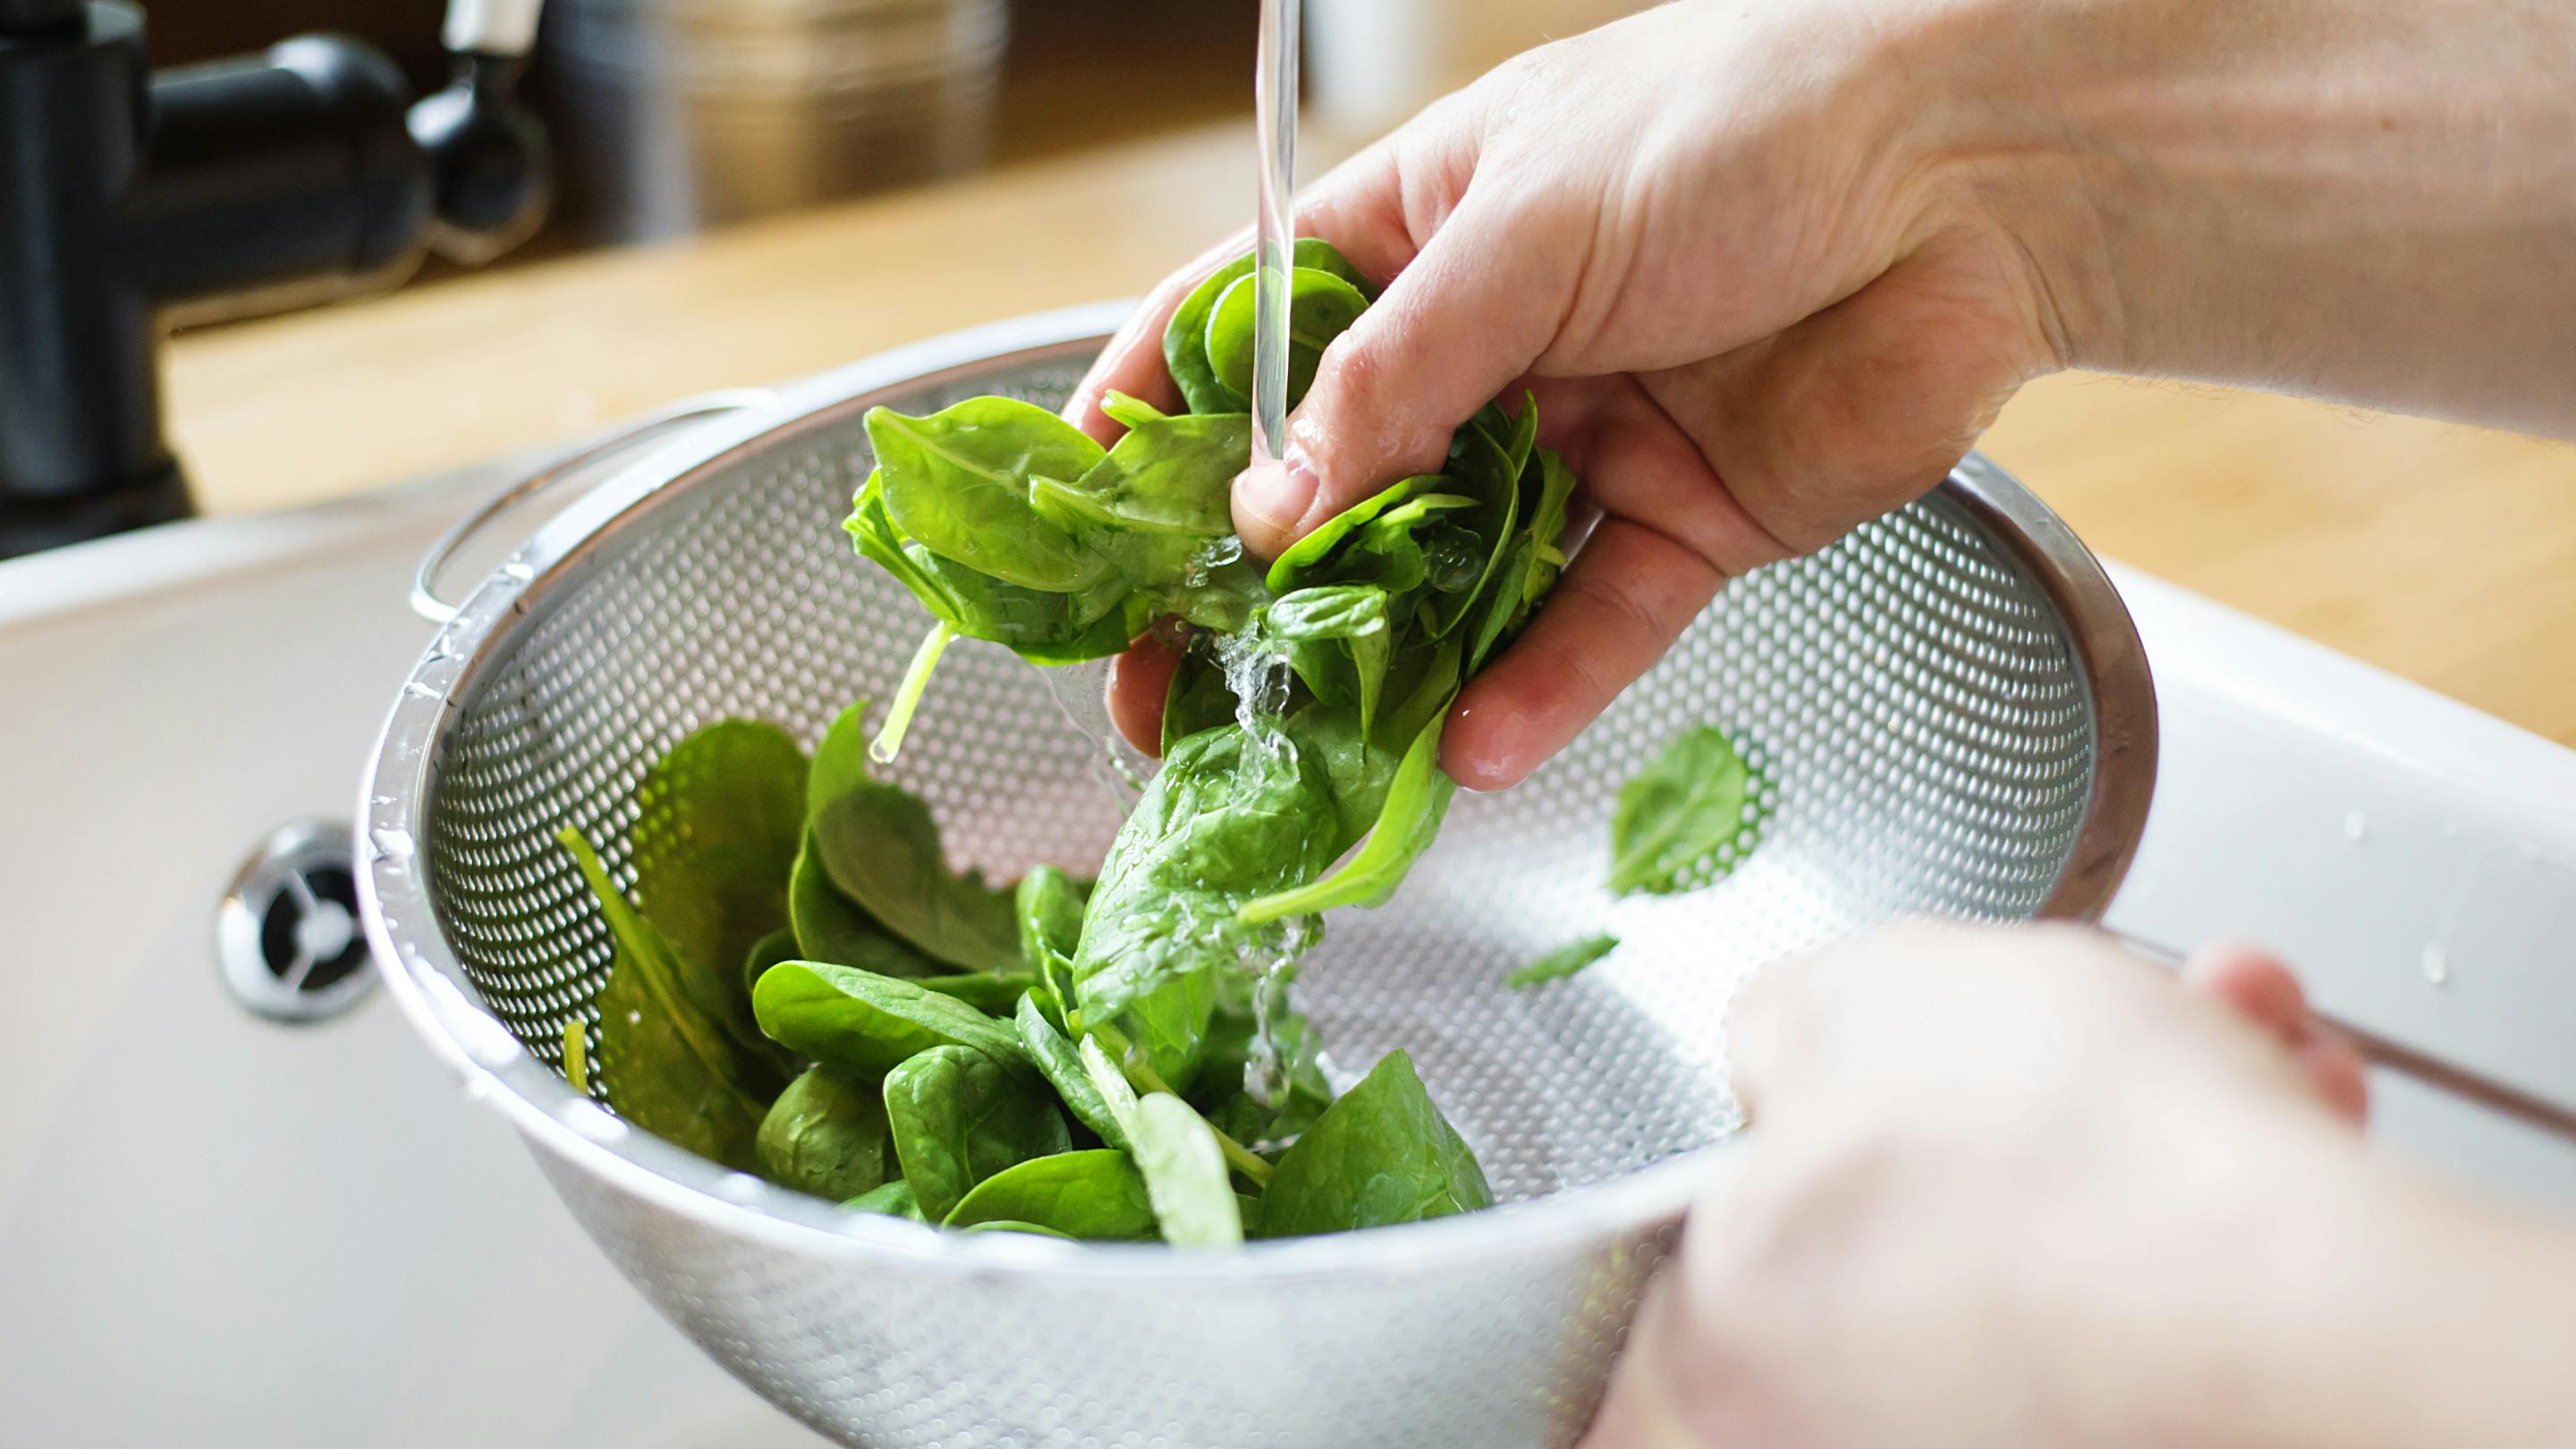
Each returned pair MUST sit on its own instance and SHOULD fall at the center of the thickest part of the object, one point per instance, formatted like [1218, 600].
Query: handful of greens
[1304, 719]
[804, 989]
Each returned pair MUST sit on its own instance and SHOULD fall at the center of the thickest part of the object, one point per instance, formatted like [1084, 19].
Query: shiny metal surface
[678, 115]
[1929, 700]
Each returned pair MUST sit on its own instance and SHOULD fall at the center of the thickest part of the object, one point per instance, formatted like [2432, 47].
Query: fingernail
[1274, 497]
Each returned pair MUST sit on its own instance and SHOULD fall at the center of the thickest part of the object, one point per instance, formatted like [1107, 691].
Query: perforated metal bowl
[1950, 703]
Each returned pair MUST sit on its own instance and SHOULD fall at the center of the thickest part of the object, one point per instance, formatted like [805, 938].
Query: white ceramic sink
[214, 1230]
[219, 1231]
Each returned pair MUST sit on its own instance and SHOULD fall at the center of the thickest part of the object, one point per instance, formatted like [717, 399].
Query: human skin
[2014, 1188]
[1771, 269]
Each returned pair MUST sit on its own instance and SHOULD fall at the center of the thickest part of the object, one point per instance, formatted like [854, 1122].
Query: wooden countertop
[2442, 553]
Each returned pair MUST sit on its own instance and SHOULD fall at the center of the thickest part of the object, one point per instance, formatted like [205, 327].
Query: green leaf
[990, 994]
[1007, 1226]
[1562, 962]
[1381, 1155]
[1050, 906]
[958, 1116]
[1288, 571]
[768, 951]
[1095, 1194]
[670, 1066]
[1170, 475]
[1287, 1068]
[866, 1024]
[1185, 1174]
[831, 930]
[1338, 639]
[717, 825]
[1185, 348]
[1060, 1061]
[1692, 801]
[1530, 569]
[1225, 821]
[1321, 307]
[825, 1135]
[880, 848]
[1416, 798]
[1481, 469]
[894, 1199]
[958, 481]
[1051, 627]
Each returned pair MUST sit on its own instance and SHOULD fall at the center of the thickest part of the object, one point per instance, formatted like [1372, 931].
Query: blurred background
[675, 116]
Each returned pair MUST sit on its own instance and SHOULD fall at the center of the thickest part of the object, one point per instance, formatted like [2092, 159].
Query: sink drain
[286, 936]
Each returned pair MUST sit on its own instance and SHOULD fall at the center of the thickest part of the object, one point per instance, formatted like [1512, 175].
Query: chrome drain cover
[287, 939]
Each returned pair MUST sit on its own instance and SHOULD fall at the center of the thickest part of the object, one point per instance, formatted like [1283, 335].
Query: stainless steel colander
[1950, 703]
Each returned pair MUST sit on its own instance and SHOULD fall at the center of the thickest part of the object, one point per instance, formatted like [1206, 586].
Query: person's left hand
[2009, 1188]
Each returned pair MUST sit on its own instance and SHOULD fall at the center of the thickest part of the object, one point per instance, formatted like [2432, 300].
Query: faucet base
[30, 524]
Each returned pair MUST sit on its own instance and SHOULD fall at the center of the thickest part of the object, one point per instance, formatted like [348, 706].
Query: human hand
[1754, 299]
[2016, 1188]
[1771, 270]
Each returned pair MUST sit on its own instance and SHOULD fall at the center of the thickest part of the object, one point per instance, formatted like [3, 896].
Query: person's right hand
[1759, 298]
[1771, 269]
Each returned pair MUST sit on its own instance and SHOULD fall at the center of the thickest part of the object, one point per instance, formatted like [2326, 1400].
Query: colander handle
[2396, 1056]
[424, 580]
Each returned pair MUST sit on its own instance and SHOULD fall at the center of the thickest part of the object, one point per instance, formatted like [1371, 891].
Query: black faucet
[131, 198]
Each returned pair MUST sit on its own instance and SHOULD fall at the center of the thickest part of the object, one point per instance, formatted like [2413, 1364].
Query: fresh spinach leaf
[1416, 798]
[880, 847]
[1004, 1225]
[1050, 905]
[1185, 349]
[1321, 307]
[716, 829]
[894, 1199]
[670, 1066]
[831, 930]
[1339, 640]
[958, 481]
[1167, 475]
[768, 951]
[1060, 1062]
[866, 1024]
[1227, 819]
[1562, 962]
[1684, 820]
[1185, 1174]
[1097, 1194]
[1380, 1155]
[958, 1116]
[988, 993]
[825, 1135]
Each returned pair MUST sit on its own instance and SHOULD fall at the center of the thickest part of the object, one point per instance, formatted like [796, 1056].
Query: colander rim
[428, 984]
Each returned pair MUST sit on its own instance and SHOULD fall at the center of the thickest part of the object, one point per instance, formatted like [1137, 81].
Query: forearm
[2382, 1310]
[2370, 200]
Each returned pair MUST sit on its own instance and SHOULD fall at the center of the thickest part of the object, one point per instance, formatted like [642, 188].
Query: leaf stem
[916, 682]
[1237, 1156]
[576, 1051]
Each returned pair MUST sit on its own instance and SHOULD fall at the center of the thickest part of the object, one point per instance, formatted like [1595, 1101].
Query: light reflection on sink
[216, 1230]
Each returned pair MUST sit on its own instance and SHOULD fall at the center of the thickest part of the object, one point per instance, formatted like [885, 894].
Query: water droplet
[390, 842]
[2437, 965]
[517, 571]
[741, 1187]
[2356, 826]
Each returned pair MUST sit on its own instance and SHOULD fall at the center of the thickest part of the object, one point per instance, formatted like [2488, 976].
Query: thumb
[1467, 317]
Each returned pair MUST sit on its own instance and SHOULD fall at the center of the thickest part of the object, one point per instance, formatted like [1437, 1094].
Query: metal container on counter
[678, 115]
